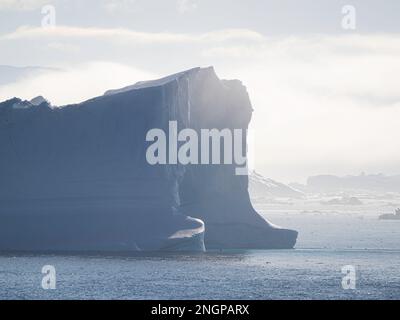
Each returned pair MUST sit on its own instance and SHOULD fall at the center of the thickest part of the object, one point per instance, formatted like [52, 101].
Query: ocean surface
[313, 270]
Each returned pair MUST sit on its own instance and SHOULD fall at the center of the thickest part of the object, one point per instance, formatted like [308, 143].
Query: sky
[326, 98]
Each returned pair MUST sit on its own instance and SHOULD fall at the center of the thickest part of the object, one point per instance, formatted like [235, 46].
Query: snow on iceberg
[75, 178]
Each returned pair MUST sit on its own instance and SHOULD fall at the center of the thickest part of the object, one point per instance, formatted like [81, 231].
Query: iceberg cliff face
[214, 193]
[76, 178]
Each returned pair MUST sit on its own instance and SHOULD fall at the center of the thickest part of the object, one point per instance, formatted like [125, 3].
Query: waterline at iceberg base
[75, 178]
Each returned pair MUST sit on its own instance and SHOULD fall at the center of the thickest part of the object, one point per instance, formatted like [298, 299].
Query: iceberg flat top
[157, 82]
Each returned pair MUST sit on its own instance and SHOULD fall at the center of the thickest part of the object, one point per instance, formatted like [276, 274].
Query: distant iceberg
[261, 187]
[75, 178]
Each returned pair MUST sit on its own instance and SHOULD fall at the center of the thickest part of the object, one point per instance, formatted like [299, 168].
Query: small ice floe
[390, 216]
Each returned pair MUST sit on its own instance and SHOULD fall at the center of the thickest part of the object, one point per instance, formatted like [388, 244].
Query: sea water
[313, 270]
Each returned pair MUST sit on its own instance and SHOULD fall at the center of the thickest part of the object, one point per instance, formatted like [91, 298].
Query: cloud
[359, 67]
[64, 47]
[111, 34]
[22, 4]
[75, 84]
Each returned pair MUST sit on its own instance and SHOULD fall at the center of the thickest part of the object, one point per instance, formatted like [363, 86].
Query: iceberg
[261, 187]
[76, 178]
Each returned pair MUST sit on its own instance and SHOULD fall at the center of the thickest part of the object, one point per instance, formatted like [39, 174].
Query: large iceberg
[76, 177]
